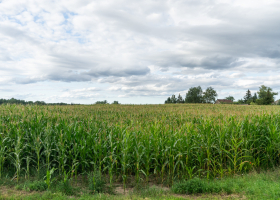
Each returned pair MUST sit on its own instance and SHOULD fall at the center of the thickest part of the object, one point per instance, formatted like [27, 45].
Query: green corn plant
[3, 152]
[235, 154]
[28, 161]
[48, 177]
[200, 158]
[48, 146]
[74, 157]
[83, 151]
[163, 168]
[101, 145]
[37, 146]
[147, 155]
[179, 165]
[16, 155]
[157, 159]
[61, 149]
[137, 154]
[66, 177]
[96, 145]
[124, 158]
[111, 157]
[190, 171]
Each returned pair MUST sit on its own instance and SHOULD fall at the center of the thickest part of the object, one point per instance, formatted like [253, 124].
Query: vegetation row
[265, 96]
[168, 142]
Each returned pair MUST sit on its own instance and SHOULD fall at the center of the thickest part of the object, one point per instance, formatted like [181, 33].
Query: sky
[139, 52]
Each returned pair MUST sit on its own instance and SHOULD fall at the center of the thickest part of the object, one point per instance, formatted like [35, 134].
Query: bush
[33, 186]
[192, 186]
[96, 182]
[37, 186]
[65, 187]
[196, 185]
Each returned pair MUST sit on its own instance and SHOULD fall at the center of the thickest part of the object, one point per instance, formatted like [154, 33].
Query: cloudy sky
[84, 51]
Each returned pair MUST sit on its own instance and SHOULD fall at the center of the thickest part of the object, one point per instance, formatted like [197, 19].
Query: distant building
[276, 102]
[223, 101]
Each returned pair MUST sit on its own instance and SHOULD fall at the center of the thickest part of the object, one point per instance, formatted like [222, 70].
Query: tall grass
[167, 141]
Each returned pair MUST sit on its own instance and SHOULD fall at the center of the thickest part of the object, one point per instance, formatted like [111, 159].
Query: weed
[65, 188]
[37, 186]
[96, 182]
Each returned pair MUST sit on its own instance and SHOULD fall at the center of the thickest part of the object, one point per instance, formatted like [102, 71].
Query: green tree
[168, 100]
[209, 96]
[180, 99]
[266, 95]
[240, 101]
[102, 102]
[194, 95]
[231, 98]
[173, 99]
[254, 98]
[40, 103]
[248, 97]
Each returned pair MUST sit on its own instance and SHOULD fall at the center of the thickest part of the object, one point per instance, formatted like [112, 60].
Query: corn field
[160, 141]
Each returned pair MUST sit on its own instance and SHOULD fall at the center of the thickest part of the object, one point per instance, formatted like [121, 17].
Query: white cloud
[137, 49]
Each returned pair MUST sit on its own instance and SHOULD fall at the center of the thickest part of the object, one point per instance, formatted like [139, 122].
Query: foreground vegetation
[129, 143]
[254, 185]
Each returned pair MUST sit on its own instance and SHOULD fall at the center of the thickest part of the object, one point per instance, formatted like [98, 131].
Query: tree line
[195, 95]
[106, 102]
[265, 96]
[23, 102]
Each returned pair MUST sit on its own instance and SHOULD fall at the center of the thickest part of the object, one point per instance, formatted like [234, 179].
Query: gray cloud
[147, 48]
[214, 62]
[16, 34]
[75, 76]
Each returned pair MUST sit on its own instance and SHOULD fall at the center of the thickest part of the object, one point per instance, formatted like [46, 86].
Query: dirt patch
[210, 196]
[7, 192]
[119, 190]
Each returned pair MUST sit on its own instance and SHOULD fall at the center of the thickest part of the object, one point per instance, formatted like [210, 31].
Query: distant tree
[115, 102]
[194, 95]
[240, 101]
[173, 99]
[39, 103]
[180, 99]
[248, 97]
[231, 98]
[101, 102]
[168, 100]
[266, 95]
[255, 97]
[209, 96]
[23, 102]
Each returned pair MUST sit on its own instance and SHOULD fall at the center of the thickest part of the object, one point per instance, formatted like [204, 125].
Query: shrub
[65, 187]
[33, 186]
[38, 186]
[192, 186]
[196, 185]
[96, 182]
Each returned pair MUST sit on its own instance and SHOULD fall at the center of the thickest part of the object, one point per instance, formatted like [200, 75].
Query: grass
[264, 185]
